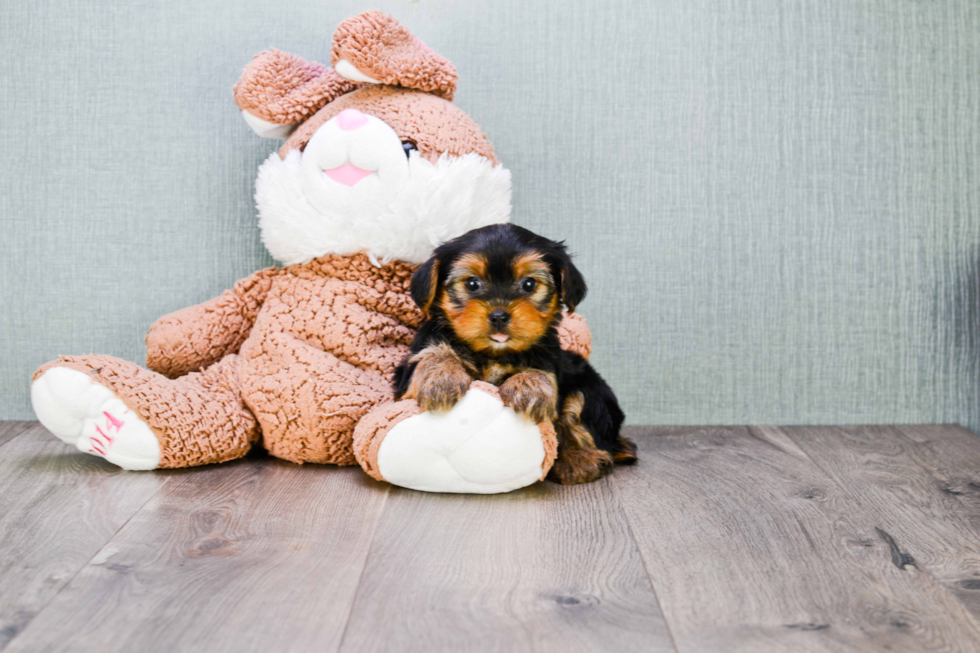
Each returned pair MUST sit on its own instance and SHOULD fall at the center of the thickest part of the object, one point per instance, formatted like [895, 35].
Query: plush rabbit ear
[373, 48]
[277, 90]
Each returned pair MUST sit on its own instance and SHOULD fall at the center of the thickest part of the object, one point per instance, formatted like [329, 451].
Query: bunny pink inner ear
[373, 48]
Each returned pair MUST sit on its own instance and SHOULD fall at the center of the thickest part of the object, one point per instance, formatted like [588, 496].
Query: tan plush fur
[378, 46]
[317, 355]
[371, 431]
[575, 335]
[436, 125]
[282, 88]
[199, 418]
[299, 357]
[318, 345]
[198, 336]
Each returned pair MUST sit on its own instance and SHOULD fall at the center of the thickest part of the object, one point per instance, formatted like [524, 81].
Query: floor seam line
[28, 425]
[360, 576]
[82, 567]
[643, 561]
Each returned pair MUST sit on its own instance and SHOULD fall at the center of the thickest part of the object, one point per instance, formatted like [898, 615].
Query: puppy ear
[573, 286]
[425, 283]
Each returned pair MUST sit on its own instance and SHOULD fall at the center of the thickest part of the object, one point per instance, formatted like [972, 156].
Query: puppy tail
[625, 451]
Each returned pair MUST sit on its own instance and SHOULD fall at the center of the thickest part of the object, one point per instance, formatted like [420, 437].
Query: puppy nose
[350, 119]
[499, 318]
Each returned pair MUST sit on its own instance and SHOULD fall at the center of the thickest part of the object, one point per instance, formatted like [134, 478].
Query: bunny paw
[480, 447]
[87, 414]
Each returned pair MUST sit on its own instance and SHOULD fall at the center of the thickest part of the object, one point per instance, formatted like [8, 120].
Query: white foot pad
[478, 447]
[84, 413]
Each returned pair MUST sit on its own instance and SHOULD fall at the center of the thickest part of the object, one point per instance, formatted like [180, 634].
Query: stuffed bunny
[378, 168]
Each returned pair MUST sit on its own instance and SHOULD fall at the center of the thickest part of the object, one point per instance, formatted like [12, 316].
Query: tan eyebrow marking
[530, 265]
[469, 265]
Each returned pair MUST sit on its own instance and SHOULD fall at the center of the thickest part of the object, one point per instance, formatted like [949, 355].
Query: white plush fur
[402, 210]
[346, 69]
[76, 409]
[401, 213]
[478, 447]
[267, 129]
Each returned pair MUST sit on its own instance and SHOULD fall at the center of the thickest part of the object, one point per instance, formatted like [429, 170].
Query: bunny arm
[198, 336]
[574, 335]
[439, 453]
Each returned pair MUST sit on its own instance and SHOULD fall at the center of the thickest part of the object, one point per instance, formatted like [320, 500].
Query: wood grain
[952, 456]
[258, 554]
[547, 568]
[751, 547]
[58, 507]
[881, 468]
[748, 538]
[9, 430]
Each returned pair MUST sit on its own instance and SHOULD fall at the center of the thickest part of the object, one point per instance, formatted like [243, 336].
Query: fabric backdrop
[776, 203]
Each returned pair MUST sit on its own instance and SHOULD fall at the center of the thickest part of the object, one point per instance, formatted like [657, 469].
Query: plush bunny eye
[473, 284]
[409, 147]
[528, 284]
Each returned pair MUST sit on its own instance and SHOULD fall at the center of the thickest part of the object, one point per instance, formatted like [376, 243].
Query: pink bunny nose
[350, 119]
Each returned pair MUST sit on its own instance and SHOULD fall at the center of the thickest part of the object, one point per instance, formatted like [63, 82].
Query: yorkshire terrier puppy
[493, 298]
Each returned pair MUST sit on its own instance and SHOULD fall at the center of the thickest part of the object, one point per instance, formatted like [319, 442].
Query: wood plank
[546, 568]
[58, 507]
[879, 466]
[257, 554]
[952, 455]
[751, 547]
[9, 430]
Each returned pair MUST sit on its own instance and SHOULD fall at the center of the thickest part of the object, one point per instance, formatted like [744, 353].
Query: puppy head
[500, 288]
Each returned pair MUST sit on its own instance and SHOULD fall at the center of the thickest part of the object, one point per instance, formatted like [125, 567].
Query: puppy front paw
[439, 380]
[576, 466]
[533, 394]
[440, 393]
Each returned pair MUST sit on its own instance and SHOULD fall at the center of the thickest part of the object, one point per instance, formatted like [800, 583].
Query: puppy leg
[579, 460]
[600, 413]
[603, 418]
[532, 393]
[439, 379]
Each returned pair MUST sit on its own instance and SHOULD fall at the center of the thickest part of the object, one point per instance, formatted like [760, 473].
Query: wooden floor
[721, 539]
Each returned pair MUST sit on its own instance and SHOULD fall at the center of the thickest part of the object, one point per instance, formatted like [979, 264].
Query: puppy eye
[473, 284]
[529, 284]
[409, 147]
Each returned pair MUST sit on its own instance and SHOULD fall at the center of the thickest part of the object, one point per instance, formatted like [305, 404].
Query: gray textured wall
[777, 204]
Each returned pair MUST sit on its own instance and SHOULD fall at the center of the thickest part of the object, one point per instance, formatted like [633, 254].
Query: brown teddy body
[294, 357]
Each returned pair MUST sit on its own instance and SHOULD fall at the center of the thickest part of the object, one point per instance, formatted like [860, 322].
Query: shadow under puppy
[493, 298]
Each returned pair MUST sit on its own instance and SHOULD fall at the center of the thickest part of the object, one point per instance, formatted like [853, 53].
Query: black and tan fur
[505, 283]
